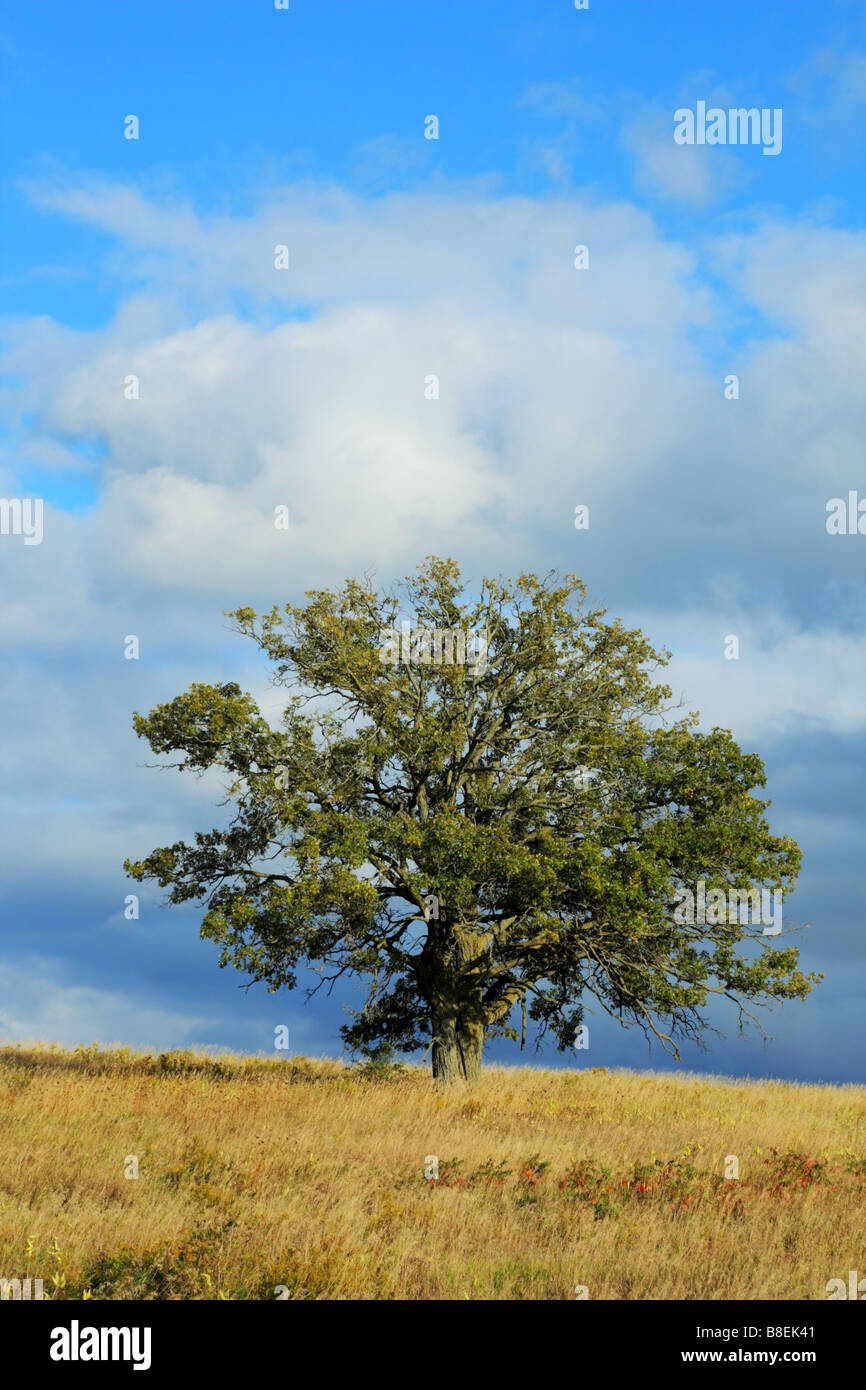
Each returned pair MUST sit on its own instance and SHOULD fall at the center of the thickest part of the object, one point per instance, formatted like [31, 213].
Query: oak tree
[477, 840]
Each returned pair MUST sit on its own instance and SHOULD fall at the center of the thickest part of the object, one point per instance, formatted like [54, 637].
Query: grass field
[304, 1179]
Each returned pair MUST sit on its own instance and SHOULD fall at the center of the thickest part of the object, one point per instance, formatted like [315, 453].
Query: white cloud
[696, 174]
[36, 1005]
[557, 386]
[783, 681]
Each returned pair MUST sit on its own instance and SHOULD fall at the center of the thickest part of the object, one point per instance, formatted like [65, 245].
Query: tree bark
[457, 1012]
[457, 1047]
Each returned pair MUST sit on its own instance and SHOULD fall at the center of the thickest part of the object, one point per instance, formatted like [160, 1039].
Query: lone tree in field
[488, 812]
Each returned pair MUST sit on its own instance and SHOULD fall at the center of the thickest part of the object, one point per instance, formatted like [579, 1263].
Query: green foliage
[180, 1271]
[380, 1066]
[387, 784]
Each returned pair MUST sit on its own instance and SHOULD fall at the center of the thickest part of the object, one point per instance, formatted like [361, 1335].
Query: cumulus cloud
[781, 681]
[460, 386]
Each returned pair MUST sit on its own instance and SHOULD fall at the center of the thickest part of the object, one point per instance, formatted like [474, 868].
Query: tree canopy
[480, 802]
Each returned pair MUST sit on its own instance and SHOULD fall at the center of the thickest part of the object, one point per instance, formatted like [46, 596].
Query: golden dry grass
[309, 1175]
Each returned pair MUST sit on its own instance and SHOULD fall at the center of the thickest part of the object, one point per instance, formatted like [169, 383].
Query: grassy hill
[307, 1177]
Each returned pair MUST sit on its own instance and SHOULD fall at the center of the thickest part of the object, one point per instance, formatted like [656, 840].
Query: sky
[696, 383]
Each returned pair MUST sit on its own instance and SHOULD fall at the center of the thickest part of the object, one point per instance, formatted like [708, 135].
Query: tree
[509, 827]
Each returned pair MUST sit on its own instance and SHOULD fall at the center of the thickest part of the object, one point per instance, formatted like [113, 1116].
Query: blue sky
[408, 256]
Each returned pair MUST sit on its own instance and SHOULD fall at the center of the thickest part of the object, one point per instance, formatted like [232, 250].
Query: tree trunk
[470, 1040]
[457, 1047]
[457, 1012]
